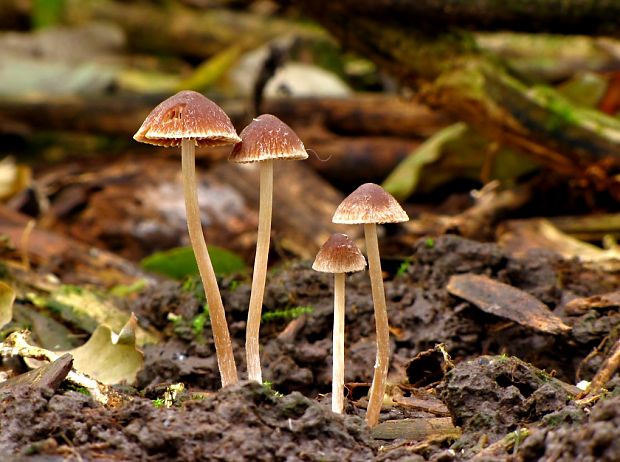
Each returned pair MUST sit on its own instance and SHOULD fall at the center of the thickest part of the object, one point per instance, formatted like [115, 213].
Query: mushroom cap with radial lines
[369, 203]
[187, 115]
[265, 138]
[339, 254]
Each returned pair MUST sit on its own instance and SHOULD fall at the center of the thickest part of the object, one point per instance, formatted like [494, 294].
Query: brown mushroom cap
[187, 115]
[369, 203]
[339, 254]
[267, 137]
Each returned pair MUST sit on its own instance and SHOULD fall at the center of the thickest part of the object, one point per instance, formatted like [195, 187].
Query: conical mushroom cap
[187, 115]
[267, 137]
[369, 203]
[339, 254]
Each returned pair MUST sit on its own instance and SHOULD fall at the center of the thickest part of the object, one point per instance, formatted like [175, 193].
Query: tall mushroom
[369, 205]
[264, 140]
[190, 119]
[338, 255]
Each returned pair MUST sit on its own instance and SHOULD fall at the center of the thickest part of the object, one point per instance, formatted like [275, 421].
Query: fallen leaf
[7, 298]
[110, 358]
[506, 302]
[402, 182]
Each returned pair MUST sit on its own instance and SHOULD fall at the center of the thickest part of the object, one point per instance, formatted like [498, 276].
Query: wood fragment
[578, 306]
[415, 429]
[16, 344]
[48, 376]
[607, 370]
[506, 302]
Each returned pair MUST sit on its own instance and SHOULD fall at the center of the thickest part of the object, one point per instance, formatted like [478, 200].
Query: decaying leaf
[89, 310]
[108, 357]
[7, 297]
[403, 180]
[506, 302]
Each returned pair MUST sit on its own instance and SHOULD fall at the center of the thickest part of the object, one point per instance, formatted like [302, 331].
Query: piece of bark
[351, 161]
[557, 16]
[578, 306]
[48, 376]
[370, 115]
[415, 429]
[506, 302]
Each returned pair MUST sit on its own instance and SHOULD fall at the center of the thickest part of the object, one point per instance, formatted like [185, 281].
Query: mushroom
[338, 255]
[265, 139]
[190, 119]
[371, 204]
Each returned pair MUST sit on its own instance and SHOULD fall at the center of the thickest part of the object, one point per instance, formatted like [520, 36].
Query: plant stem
[338, 345]
[221, 336]
[382, 363]
[260, 272]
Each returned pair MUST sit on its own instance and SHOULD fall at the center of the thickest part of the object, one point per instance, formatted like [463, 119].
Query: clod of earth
[491, 396]
[190, 119]
[264, 140]
[370, 204]
[339, 255]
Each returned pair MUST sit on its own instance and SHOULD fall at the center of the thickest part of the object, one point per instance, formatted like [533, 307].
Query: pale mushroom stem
[338, 345]
[221, 336]
[252, 332]
[377, 389]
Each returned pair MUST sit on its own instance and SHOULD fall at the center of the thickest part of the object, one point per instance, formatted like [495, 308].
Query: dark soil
[488, 396]
[243, 422]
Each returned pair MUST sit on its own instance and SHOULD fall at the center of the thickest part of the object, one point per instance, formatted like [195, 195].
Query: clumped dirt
[489, 393]
[243, 422]
[495, 395]
[595, 440]
[422, 314]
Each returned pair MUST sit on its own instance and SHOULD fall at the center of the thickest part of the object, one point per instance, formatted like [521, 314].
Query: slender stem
[260, 272]
[338, 345]
[382, 363]
[221, 336]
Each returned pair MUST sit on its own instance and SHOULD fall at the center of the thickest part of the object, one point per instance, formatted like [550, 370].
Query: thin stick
[338, 345]
[607, 370]
[252, 332]
[382, 363]
[221, 336]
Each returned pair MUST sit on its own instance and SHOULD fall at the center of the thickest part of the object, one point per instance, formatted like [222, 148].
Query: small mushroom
[189, 119]
[338, 255]
[264, 140]
[370, 204]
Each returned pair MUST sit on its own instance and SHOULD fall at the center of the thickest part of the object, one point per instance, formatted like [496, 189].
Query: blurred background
[470, 118]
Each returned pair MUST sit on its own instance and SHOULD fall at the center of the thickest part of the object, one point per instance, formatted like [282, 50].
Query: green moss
[287, 313]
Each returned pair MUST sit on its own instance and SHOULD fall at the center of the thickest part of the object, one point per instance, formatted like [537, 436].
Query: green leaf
[7, 297]
[402, 182]
[180, 262]
[47, 12]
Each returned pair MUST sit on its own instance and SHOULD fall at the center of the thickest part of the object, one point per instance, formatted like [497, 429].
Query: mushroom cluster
[189, 119]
